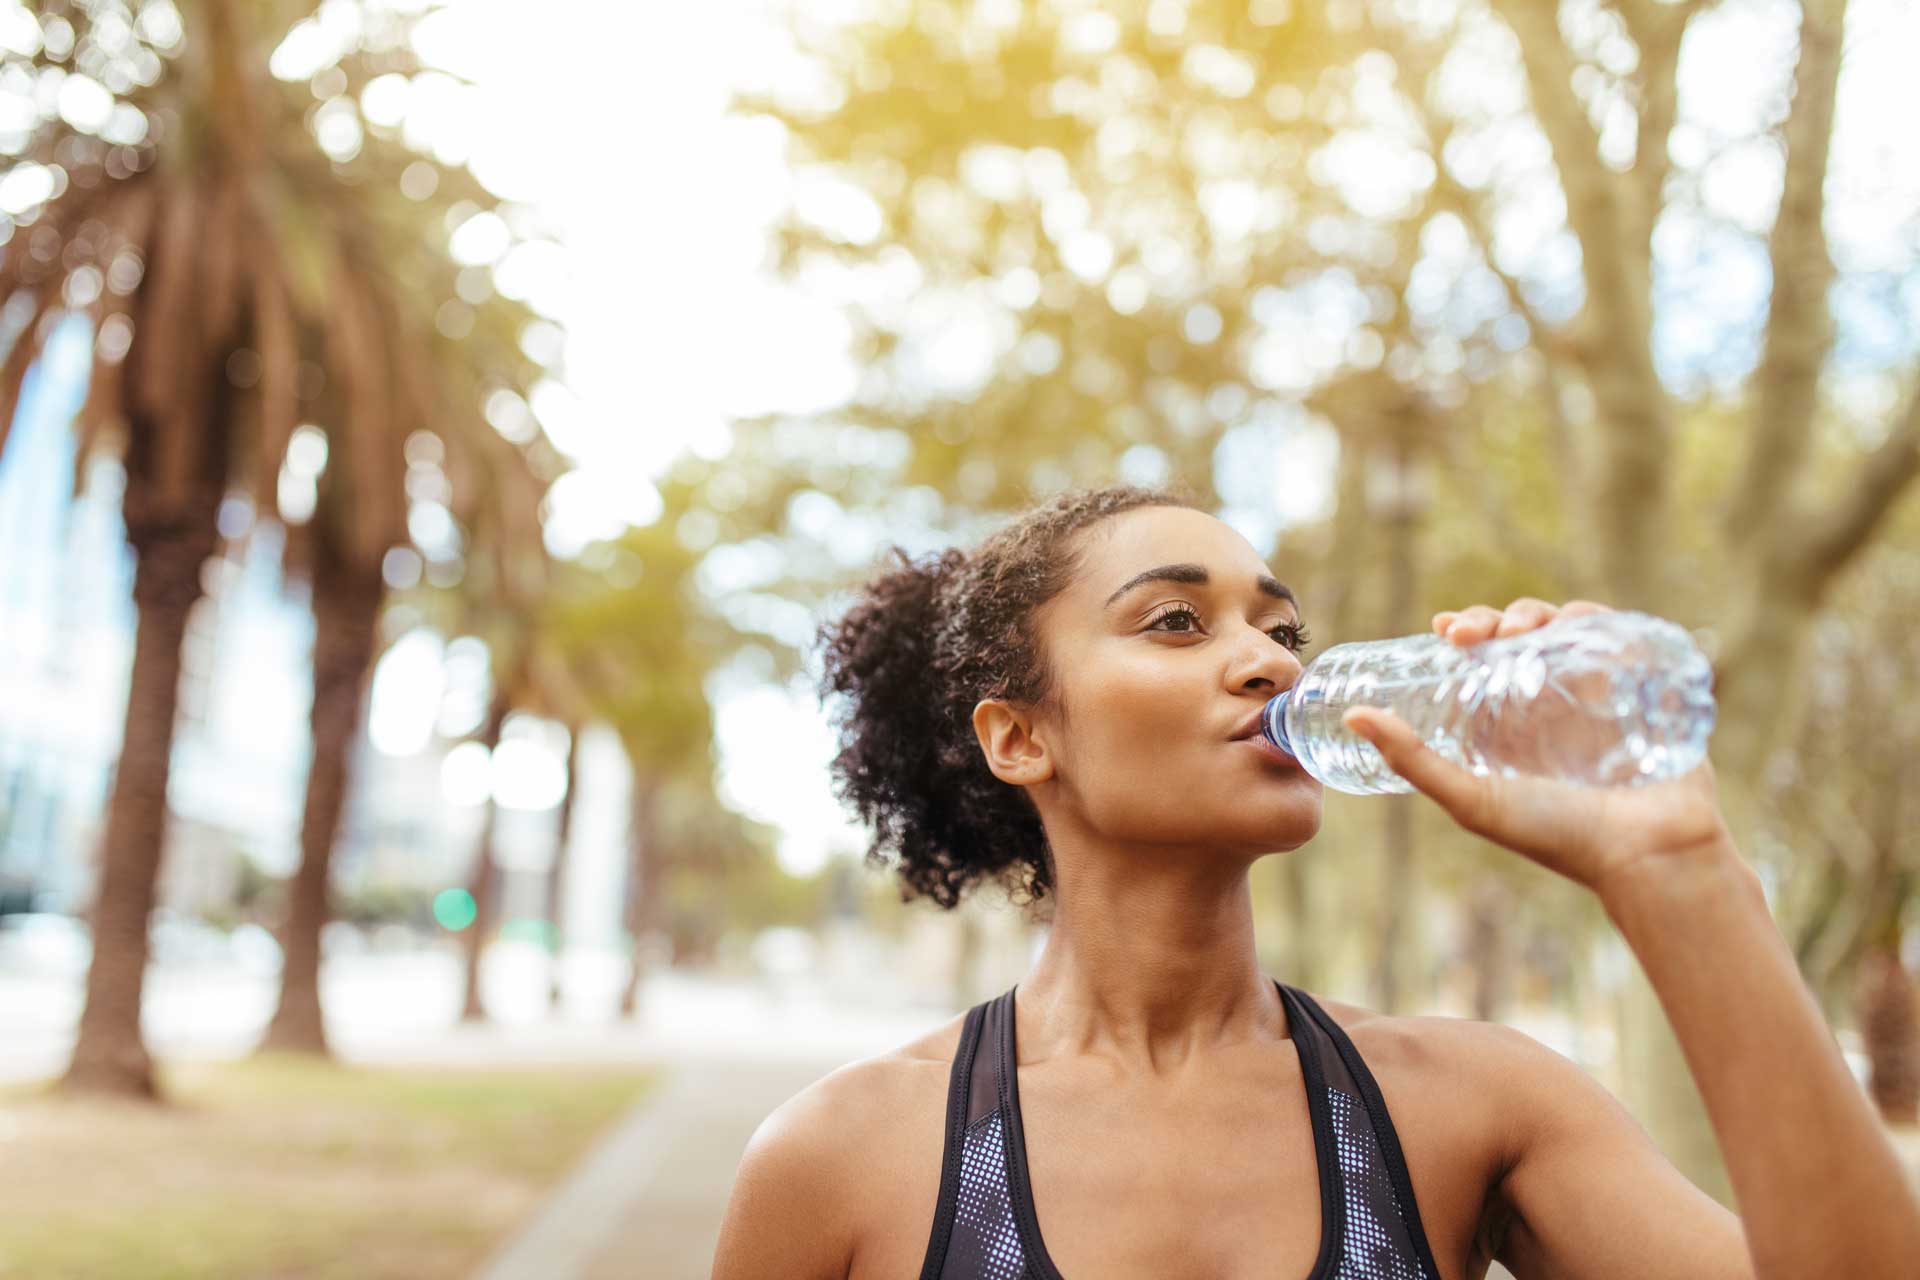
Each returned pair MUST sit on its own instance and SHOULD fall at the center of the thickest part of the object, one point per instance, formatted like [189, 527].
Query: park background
[432, 434]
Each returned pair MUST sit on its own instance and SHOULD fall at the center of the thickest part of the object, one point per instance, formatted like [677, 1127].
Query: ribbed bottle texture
[1605, 699]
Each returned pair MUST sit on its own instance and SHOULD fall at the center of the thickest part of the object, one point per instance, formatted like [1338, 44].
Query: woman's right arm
[789, 1217]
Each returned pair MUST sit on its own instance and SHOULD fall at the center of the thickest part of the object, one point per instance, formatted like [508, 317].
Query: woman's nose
[1263, 662]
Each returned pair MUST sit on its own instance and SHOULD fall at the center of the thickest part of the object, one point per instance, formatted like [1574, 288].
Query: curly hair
[921, 646]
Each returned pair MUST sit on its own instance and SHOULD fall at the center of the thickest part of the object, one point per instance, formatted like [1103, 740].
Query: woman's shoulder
[1432, 1041]
[1459, 1077]
[855, 1154]
[847, 1122]
[1462, 1095]
[877, 1089]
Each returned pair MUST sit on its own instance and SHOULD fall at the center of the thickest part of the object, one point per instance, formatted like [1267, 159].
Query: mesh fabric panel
[983, 1226]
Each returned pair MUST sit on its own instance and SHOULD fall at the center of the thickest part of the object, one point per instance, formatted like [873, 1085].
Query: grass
[280, 1168]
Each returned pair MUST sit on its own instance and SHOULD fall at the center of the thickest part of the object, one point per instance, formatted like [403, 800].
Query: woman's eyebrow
[1194, 574]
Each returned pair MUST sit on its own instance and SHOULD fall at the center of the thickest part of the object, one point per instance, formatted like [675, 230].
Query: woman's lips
[1272, 752]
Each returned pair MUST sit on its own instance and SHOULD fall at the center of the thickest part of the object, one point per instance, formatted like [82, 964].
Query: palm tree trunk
[345, 607]
[556, 875]
[485, 883]
[109, 1056]
[643, 884]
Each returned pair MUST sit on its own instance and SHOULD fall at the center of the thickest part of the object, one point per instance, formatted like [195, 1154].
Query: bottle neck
[1273, 722]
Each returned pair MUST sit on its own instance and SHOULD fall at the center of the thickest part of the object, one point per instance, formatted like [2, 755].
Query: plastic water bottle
[1603, 699]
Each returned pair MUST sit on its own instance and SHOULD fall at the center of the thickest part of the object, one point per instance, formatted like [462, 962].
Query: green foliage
[717, 871]
[703, 907]
[1118, 205]
[259, 897]
[370, 904]
[639, 642]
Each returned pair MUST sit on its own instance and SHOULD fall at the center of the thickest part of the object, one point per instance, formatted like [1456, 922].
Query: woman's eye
[1293, 636]
[1290, 635]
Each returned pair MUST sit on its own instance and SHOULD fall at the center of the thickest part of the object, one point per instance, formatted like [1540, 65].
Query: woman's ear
[1006, 735]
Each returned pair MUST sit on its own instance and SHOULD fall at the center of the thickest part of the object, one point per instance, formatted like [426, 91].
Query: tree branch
[1558, 354]
[1559, 346]
[1839, 533]
[1658, 30]
[1593, 193]
[1473, 476]
[1786, 386]
[1635, 415]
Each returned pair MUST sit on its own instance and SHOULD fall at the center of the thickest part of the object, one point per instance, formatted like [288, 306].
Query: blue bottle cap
[1273, 722]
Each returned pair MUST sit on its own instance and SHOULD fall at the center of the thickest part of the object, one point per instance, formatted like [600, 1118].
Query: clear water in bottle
[1605, 699]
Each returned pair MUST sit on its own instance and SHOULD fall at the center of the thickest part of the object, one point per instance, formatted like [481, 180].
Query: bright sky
[607, 118]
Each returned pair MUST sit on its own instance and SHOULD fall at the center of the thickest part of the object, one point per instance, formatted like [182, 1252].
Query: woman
[1067, 710]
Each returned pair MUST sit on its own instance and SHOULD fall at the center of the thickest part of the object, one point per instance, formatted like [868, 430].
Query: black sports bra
[985, 1227]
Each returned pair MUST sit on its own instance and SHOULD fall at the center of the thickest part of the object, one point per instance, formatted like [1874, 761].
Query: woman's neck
[1150, 964]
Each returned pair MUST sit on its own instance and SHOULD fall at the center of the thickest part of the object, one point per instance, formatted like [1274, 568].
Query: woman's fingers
[1480, 622]
[1460, 793]
[1525, 614]
[1472, 624]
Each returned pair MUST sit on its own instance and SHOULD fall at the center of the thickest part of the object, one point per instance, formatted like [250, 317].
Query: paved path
[646, 1205]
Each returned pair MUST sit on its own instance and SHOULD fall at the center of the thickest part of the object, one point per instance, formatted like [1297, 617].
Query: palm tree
[646, 681]
[218, 252]
[496, 499]
[411, 428]
[499, 600]
[557, 872]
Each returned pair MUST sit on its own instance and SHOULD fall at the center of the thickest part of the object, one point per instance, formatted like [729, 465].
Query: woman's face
[1157, 676]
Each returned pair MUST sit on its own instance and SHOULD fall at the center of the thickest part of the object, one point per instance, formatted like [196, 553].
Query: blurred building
[242, 745]
[66, 642]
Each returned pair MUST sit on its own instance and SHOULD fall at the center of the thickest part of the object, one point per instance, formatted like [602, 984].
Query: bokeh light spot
[454, 909]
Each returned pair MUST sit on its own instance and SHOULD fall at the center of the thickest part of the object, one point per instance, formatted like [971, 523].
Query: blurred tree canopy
[639, 642]
[1384, 279]
[1163, 238]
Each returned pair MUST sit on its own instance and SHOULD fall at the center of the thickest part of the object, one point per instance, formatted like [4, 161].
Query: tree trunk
[1889, 1013]
[1300, 954]
[1884, 992]
[1657, 1085]
[643, 883]
[1396, 887]
[345, 607]
[1489, 953]
[1661, 1091]
[484, 885]
[109, 1056]
[1399, 883]
[556, 875]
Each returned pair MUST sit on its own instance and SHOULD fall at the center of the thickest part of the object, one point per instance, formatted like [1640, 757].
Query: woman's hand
[1602, 837]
